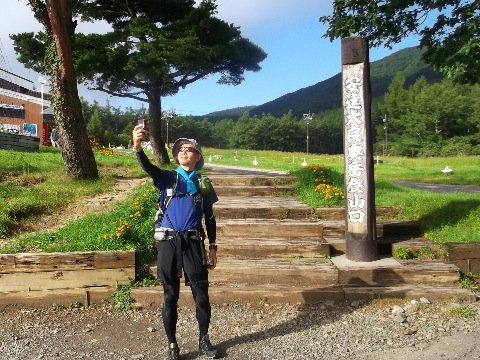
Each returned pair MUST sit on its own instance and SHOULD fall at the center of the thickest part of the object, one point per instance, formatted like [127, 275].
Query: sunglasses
[187, 149]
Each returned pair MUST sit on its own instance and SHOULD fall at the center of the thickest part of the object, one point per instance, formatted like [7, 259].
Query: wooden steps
[273, 247]
[278, 248]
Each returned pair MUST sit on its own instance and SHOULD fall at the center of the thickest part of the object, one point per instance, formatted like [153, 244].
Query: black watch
[213, 247]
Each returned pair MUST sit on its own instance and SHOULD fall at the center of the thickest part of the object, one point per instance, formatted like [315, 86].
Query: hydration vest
[165, 196]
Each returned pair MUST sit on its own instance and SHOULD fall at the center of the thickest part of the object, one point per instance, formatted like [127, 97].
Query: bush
[456, 147]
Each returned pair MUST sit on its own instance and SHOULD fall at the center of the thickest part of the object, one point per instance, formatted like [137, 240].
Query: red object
[44, 138]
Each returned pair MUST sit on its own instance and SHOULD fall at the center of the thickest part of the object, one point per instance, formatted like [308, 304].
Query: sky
[287, 30]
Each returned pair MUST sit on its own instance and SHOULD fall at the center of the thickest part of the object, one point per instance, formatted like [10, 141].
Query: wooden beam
[360, 226]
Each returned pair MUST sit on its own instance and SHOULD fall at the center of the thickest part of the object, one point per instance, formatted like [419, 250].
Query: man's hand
[138, 135]
[212, 255]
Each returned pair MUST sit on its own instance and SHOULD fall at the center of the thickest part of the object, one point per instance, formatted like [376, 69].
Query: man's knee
[170, 295]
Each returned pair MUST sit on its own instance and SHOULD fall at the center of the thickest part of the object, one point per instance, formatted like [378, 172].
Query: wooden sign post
[360, 229]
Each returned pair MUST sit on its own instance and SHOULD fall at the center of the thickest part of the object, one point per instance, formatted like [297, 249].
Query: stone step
[252, 228]
[262, 248]
[247, 191]
[251, 180]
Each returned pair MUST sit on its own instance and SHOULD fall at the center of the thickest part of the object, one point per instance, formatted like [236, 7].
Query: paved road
[440, 188]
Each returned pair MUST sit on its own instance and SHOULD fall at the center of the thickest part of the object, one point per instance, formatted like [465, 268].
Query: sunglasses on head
[186, 148]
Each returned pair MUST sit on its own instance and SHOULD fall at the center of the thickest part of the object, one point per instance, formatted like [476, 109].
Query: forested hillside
[425, 116]
[327, 94]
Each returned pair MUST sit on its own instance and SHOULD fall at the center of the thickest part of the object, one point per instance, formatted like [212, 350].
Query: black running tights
[170, 313]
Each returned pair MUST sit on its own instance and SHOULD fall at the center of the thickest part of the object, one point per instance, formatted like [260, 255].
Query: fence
[19, 142]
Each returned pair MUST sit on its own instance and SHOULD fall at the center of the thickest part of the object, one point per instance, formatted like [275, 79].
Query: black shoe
[205, 346]
[173, 352]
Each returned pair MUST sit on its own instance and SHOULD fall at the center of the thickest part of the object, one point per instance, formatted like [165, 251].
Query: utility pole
[169, 116]
[42, 83]
[385, 120]
[308, 117]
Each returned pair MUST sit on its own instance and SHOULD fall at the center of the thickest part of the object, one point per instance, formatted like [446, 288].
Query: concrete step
[252, 228]
[263, 248]
[246, 191]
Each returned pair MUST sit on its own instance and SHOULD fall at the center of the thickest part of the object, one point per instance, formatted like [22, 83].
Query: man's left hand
[212, 254]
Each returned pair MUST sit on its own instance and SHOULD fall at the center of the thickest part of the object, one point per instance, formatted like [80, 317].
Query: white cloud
[255, 13]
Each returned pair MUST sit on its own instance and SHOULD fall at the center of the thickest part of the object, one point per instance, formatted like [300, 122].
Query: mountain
[327, 94]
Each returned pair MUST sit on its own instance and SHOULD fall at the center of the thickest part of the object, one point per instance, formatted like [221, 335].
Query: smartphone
[142, 123]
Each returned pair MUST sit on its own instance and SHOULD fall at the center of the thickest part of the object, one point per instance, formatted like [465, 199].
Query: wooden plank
[468, 265]
[250, 180]
[52, 280]
[279, 271]
[461, 251]
[7, 262]
[269, 228]
[262, 248]
[253, 190]
[411, 272]
[39, 262]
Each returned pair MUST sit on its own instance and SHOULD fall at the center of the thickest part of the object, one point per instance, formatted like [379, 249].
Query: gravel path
[380, 329]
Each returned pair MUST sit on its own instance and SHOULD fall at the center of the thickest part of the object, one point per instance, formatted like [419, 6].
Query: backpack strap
[164, 199]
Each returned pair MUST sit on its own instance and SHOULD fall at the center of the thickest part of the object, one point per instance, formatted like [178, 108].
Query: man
[179, 234]
[54, 138]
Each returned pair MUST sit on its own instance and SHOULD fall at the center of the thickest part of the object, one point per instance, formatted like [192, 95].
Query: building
[23, 109]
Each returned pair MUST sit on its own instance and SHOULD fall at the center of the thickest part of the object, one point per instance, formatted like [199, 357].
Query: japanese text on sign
[355, 150]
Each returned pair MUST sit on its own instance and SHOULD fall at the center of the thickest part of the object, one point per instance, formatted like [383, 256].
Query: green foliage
[469, 281]
[403, 253]
[429, 120]
[451, 43]
[31, 184]
[57, 307]
[425, 253]
[461, 312]
[155, 49]
[121, 299]
[326, 183]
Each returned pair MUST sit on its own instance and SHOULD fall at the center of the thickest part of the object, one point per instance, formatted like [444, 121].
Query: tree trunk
[77, 153]
[160, 152]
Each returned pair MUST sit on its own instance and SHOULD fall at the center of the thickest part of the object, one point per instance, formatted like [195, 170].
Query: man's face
[188, 156]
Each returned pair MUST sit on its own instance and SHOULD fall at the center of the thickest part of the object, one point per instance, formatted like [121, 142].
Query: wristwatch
[212, 247]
